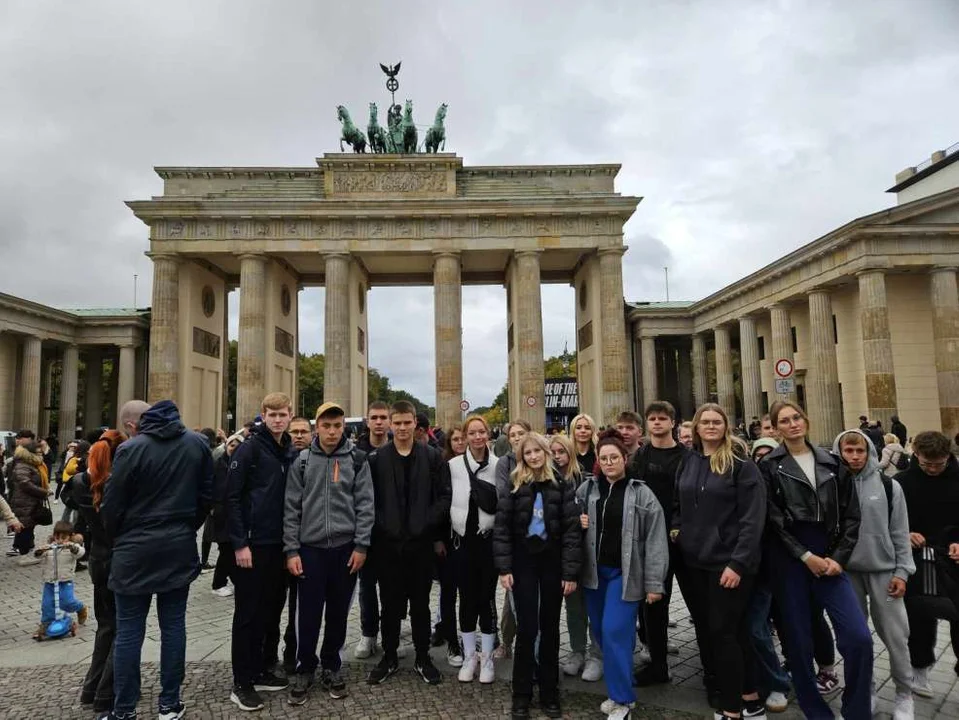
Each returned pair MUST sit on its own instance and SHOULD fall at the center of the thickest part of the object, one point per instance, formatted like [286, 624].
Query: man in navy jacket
[256, 488]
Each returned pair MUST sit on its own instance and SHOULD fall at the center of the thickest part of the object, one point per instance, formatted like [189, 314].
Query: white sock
[487, 640]
[469, 644]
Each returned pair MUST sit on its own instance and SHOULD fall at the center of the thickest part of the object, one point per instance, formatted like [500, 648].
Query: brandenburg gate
[358, 220]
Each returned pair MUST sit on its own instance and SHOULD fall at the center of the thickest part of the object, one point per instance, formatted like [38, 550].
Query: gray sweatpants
[889, 618]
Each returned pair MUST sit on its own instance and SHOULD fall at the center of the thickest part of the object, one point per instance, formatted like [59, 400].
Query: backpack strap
[887, 487]
[359, 457]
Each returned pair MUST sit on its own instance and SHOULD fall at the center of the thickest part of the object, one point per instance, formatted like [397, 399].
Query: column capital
[251, 256]
[447, 253]
[819, 291]
[871, 271]
[165, 257]
[528, 252]
[614, 250]
[943, 268]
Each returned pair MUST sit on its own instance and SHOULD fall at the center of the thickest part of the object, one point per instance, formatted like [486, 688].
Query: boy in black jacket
[256, 491]
[411, 486]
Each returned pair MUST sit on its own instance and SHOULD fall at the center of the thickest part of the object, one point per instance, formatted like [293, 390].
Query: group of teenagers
[781, 531]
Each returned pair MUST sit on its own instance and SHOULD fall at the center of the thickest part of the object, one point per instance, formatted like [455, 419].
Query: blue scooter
[62, 624]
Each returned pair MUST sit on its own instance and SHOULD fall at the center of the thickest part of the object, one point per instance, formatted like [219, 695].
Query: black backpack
[902, 461]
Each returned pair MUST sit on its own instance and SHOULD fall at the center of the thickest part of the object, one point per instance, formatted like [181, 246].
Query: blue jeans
[68, 603]
[770, 676]
[613, 621]
[131, 627]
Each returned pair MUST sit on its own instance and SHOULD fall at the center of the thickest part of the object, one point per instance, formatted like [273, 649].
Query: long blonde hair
[572, 473]
[721, 461]
[523, 474]
[592, 425]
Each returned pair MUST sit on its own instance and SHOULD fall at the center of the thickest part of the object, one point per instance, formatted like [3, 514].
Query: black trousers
[98, 683]
[923, 626]
[446, 573]
[405, 574]
[538, 595]
[260, 593]
[720, 614]
[326, 583]
[656, 616]
[472, 563]
[225, 565]
[369, 601]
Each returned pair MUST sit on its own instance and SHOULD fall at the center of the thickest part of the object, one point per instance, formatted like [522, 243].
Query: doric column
[164, 330]
[336, 373]
[749, 362]
[650, 361]
[944, 298]
[877, 346]
[613, 334]
[447, 317]
[251, 367]
[226, 409]
[725, 389]
[700, 377]
[46, 395]
[125, 377]
[685, 409]
[782, 339]
[30, 383]
[825, 407]
[529, 338]
[67, 416]
[93, 389]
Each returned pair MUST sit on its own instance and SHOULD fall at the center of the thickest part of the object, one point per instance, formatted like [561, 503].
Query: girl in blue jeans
[625, 557]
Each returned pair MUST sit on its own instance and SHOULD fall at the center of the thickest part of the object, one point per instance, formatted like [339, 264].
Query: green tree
[310, 390]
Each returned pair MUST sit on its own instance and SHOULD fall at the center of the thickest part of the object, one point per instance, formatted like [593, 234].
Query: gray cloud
[749, 127]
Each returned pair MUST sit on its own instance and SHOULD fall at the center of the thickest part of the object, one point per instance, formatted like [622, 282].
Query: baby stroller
[62, 624]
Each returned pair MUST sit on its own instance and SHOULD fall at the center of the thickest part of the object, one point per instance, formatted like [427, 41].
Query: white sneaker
[905, 709]
[619, 712]
[365, 648]
[607, 706]
[454, 656]
[487, 668]
[468, 668]
[672, 649]
[776, 702]
[920, 682]
[593, 670]
[574, 664]
[225, 591]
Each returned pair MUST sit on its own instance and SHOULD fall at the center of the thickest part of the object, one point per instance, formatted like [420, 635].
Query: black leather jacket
[791, 499]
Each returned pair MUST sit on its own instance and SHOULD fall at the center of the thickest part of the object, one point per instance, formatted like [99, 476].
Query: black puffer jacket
[792, 499]
[561, 515]
[100, 552]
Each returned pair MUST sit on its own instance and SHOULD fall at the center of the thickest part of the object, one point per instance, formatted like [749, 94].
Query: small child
[71, 550]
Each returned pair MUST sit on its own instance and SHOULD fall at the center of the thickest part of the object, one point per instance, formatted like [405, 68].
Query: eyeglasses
[610, 459]
[933, 465]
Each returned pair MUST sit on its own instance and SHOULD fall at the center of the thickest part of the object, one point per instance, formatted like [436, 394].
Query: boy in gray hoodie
[882, 560]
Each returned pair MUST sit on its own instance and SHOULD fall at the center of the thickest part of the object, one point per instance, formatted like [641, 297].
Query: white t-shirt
[807, 463]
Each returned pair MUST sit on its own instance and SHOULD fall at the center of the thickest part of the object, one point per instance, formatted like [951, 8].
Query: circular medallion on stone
[286, 300]
[582, 296]
[208, 301]
[361, 297]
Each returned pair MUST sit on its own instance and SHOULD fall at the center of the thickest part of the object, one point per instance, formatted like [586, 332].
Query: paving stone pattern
[42, 680]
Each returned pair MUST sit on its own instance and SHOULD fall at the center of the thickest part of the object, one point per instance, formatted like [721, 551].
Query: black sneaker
[427, 670]
[551, 708]
[268, 682]
[438, 637]
[755, 709]
[302, 682]
[333, 682]
[647, 676]
[246, 698]
[384, 669]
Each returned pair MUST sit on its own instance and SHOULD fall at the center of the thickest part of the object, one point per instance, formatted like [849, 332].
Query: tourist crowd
[765, 534]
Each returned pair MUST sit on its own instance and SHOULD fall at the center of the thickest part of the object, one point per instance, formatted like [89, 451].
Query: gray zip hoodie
[883, 543]
[326, 505]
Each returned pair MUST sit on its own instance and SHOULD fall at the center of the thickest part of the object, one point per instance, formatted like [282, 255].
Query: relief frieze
[389, 182]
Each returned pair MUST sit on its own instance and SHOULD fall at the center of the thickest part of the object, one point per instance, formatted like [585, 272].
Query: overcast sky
[750, 128]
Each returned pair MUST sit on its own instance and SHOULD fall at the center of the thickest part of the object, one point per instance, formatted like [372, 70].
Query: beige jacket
[66, 562]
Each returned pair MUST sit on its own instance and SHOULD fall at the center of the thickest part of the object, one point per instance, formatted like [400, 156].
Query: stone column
[251, 352]
[825, 408]
[67, 415]
[782, 341]
[685, 409]
[528, 331]
[700, 377]
[46, 395]
[225, 407]
[877, 347]
[749, 361]
[944, 298]
[164, 330]
[613, 356]
[447, 314]
[93, 387]
[125, 377]
[650, 360]
[30, 383]
[725, 389]
[336, 373]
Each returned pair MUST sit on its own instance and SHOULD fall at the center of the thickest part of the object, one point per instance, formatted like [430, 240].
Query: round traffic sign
[464, 405]
[531, 401]
[784, 368]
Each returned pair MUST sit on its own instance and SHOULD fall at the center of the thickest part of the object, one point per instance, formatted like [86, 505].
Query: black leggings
[472, 560]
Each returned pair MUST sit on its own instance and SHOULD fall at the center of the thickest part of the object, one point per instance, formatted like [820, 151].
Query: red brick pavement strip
[39, 693]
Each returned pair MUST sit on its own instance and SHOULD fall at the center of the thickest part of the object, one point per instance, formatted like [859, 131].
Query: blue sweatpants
[614, 623]
[68, 603]
[795, 587]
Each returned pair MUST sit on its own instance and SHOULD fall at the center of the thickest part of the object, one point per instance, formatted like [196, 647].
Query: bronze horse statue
[351, 134]
[436, 135]
[410, 136]
[375, 132]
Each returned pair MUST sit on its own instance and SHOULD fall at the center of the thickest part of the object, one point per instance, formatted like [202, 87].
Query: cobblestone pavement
[41, 680]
